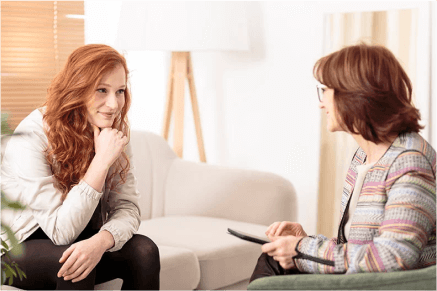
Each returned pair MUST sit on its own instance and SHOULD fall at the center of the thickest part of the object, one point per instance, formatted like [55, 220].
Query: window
[36, 39]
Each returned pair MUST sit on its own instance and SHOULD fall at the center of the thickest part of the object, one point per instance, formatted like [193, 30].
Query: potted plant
[10, 269]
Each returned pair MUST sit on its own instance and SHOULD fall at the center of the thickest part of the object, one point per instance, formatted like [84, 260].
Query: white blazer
[27, 178]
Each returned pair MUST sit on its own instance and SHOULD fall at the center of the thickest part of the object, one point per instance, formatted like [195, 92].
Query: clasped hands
[284, 236]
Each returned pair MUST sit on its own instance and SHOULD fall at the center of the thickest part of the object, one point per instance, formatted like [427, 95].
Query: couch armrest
[241, 195]
[422, 279]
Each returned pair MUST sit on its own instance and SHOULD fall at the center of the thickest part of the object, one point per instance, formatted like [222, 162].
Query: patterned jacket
[394, 223]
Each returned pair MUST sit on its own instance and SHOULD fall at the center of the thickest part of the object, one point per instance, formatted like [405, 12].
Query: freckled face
[327, 103]
[108, 99]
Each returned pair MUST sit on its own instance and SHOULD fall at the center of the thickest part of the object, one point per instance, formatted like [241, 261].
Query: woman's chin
[103, 124]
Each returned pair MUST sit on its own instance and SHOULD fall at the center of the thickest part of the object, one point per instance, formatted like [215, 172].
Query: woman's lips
[107, 115]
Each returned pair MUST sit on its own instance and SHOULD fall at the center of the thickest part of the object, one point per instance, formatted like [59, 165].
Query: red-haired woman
[71, 168]
[388, 208]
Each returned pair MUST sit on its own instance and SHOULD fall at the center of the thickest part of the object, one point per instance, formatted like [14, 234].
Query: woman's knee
[143, 248]
[40, 251]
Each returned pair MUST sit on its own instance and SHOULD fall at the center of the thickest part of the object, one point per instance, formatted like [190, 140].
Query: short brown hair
[372, 93]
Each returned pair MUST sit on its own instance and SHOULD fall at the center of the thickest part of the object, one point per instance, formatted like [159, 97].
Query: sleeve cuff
[89, 191]
[116, 235]
[313, 258]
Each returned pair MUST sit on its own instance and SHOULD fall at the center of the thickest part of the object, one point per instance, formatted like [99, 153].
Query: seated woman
[388, 208]
[70, 167]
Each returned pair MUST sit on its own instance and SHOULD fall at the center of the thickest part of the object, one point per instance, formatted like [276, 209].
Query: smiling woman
[72, 170]
[109, 99]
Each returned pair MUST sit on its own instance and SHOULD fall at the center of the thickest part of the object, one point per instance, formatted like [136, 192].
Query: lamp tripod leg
[179, 76]
[196, 113]
[169, 101]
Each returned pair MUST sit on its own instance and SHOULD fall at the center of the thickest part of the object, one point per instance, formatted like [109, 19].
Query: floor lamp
[182, 27]
[181, 69]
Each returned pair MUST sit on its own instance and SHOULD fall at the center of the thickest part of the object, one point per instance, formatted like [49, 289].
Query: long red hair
[70, 136]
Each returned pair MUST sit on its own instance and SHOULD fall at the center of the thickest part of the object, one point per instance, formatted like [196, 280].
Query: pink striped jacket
[394, 224]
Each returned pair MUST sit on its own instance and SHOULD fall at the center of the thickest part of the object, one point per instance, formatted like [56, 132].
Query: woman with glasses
[388, 208]
[71, 168]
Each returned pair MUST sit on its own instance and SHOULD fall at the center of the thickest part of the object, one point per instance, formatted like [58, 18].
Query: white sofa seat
[223, 258]
[179, 268]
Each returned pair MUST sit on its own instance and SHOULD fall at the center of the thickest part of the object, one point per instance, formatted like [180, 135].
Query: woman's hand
[282, 249]
[109, 144]
[285, 228]
[82, 257]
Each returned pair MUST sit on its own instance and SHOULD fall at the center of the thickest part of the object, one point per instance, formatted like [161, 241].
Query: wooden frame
[180, 69]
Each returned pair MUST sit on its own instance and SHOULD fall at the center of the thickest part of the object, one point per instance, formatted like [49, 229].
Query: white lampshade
[183, 26]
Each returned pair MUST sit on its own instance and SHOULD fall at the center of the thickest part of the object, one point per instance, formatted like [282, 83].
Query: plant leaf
[21, 273]
[16, 248]
[16, 205]
[9, 204]
[10, 269]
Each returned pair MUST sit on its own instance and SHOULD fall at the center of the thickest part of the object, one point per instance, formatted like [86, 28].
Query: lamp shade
[183, 26]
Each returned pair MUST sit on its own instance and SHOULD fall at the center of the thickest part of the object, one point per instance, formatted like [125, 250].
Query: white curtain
[433, 103]
[395, 29]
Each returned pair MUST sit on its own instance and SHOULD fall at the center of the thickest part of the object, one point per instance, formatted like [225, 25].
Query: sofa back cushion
[152, 158]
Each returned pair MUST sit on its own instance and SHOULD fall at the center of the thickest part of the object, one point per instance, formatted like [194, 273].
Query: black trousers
[267, 266]
[137, 263]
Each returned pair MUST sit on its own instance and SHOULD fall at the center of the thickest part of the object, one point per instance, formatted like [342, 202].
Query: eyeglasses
[320, 90]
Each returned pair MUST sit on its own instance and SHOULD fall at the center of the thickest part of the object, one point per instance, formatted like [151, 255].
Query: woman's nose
[321, 105]
[111, 101]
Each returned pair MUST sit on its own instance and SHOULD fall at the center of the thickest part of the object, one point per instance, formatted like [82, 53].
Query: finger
[275, 258]
[66, 266]
[76, 266]
[268, 247]
[281, 227]
[125, 140]
[96, 131]
[66, 254]
[269, 228]
[285, 265]
[83, 275]
[274, 227]
[76, 273]
[284, 261]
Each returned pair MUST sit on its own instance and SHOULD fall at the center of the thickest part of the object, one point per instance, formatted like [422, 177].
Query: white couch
[186, 208]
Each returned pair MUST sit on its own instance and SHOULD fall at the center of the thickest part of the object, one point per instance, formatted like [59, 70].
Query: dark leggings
[137, 263]
[267, 266]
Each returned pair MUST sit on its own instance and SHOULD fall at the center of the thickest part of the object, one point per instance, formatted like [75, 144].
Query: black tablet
[248, 237]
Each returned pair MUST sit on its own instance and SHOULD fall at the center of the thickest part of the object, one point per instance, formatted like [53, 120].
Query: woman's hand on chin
[109, 144]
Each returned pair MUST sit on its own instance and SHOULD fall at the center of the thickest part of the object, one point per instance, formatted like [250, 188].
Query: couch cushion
[179, 269]
[423, 279]
[223, 259]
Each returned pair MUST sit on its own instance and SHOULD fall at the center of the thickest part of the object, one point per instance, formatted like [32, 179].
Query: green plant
[9, 270]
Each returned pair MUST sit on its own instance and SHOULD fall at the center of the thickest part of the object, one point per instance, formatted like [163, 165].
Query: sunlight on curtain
[394, 29]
